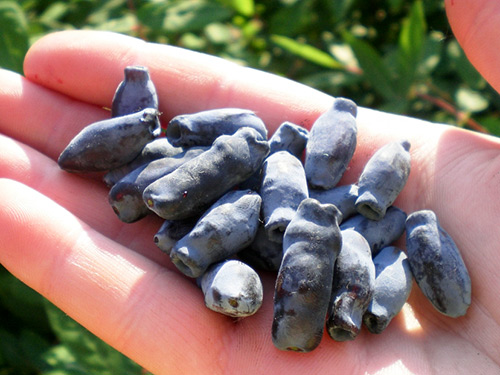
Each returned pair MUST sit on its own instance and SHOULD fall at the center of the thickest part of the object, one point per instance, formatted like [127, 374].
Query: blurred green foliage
[392, 55]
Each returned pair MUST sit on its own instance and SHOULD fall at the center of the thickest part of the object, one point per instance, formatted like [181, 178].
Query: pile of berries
[235, 202]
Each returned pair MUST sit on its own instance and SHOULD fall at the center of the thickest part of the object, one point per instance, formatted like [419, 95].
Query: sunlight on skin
[396, 368]
[411, 322]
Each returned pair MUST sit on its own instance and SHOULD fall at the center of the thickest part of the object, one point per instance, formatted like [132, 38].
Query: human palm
[60, 236]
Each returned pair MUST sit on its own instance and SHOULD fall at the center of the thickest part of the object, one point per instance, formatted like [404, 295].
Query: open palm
[60, 236]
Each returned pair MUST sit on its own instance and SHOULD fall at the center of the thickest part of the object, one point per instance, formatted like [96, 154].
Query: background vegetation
[394, 55]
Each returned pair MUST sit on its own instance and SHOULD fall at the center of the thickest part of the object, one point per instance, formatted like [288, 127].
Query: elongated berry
[353, 285]
[227, 227]
[437, 265]
[382, 179]
[393, 282]
[198, 183]
[110, 143]
[303, 287]
[125, 197]
[331, 144]
[202, 128]
[283, 187]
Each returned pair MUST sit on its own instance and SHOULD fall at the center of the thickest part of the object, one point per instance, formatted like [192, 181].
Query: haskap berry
[216, 219]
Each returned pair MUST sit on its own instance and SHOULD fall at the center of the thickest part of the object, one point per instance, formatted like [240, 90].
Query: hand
[60, 236]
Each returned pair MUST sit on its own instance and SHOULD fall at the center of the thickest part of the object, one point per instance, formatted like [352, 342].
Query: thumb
[475, 25]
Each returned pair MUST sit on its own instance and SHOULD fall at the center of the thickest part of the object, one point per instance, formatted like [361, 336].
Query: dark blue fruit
[125, 197]
[379, 233]
[263, 253]
[172, 231]
[289, 137]
[227, 227]
[110, 143]
[353, 285]
[303, 287]
[196, 184]
[135, 93]
[283, 187]
[156, 149]
[393, 282]
[382, 179]
[437, 265]
[343, 197]
[232, 288]
[331, 144]
[202, 128]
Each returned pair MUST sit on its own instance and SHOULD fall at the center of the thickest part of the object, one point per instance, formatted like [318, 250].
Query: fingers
[149, 313]
[475, 25]
[83, 197]
[40, 117]
[88, 66]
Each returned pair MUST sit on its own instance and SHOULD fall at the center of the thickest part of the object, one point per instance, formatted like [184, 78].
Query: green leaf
[374, 69]
[412, 39]
[182, 17]
[25, 304]
[14, 36]
[291, 20]
[93, 354]
[306, 51]
[22, 352]
[243, 7]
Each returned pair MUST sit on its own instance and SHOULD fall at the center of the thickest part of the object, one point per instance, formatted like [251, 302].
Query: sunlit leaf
[470, 100]
[412, 40]
[374, 69]
[306, 51]
[183, 16]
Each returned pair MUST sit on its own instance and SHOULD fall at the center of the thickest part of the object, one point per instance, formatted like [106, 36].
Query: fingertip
[474, 25]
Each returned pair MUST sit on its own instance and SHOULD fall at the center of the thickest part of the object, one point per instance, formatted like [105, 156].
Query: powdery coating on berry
[133, 184]
[311, 244]
[393, 283]
[331, 145]
[436, 264]
[343, 197]
[289, 137]
[232, 288]
[202, 128]
[227, 227]
[353, 284]
[135, 93]
[156, 149]
[229, 161]
[379, 233]
[283, 188]
[383, 178]
[110, 143]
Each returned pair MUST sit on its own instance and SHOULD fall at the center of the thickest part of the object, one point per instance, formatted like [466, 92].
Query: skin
[113, 279]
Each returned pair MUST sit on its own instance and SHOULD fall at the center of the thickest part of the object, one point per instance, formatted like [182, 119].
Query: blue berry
[382, 179]
[303, 287]
[331, 144]
[437, 265]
